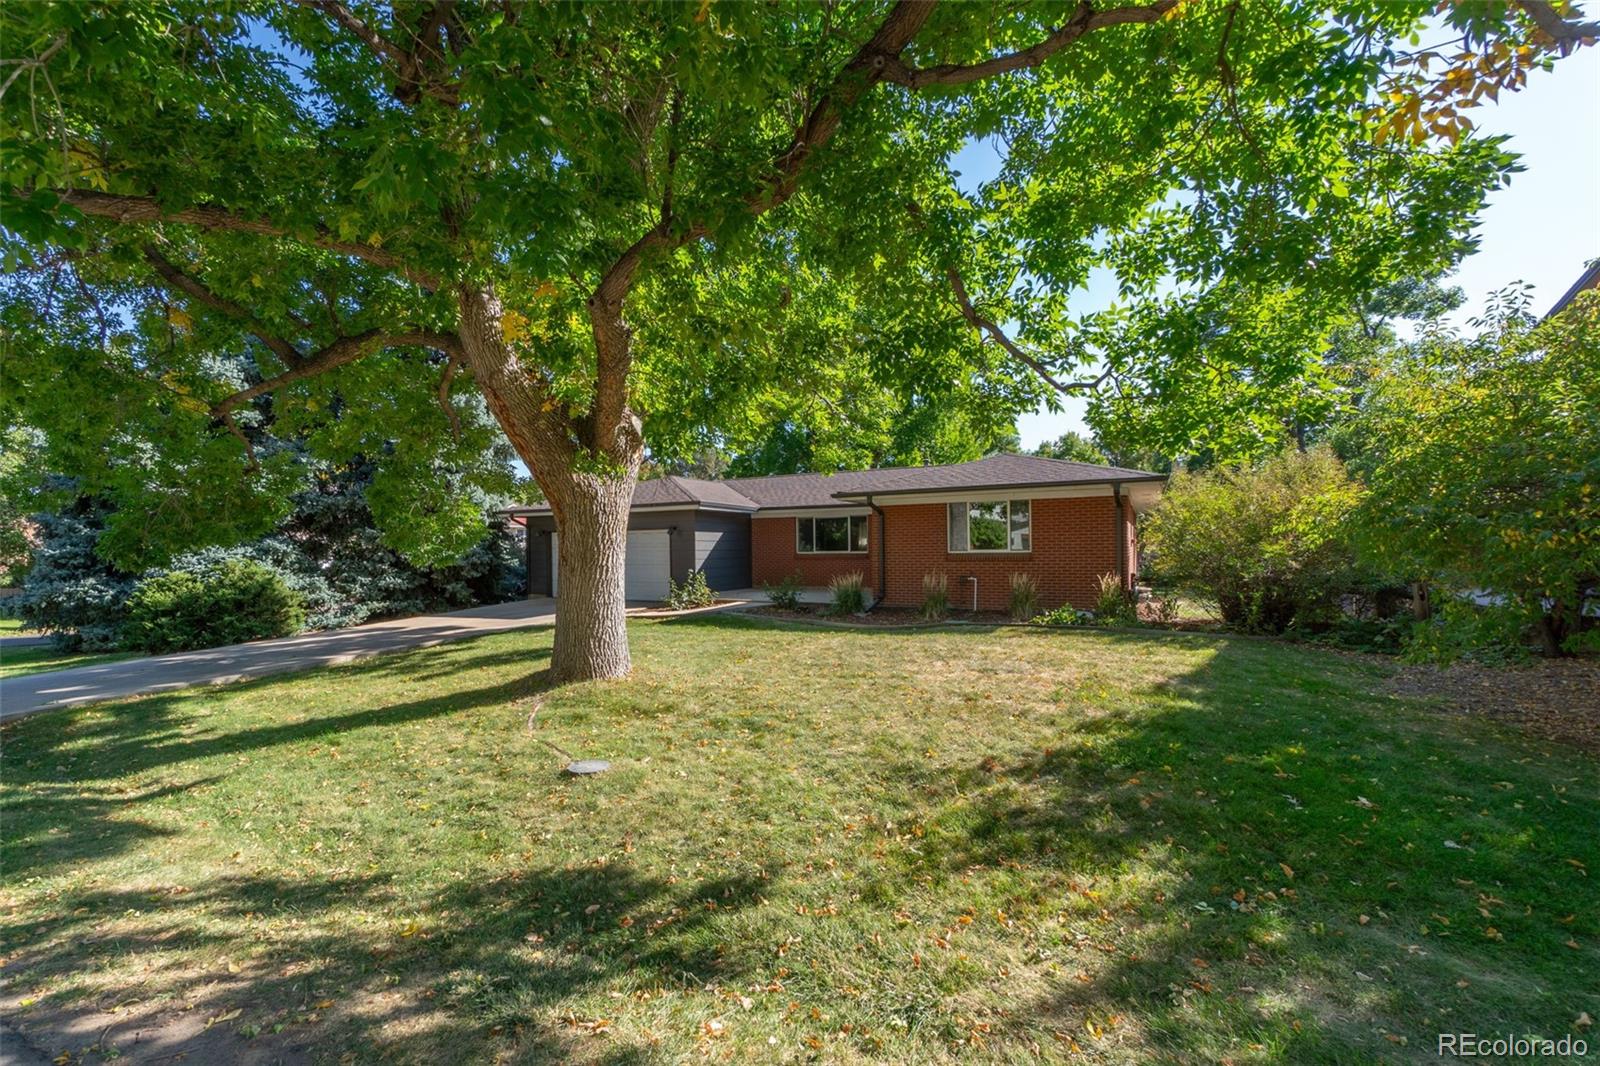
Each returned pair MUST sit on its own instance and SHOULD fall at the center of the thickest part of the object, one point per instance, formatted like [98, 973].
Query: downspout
[883, 557]
[1122, 538]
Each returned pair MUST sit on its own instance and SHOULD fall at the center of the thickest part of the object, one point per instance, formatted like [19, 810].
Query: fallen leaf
[1288, 871]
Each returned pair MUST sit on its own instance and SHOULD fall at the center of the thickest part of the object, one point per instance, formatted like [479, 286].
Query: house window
[991, 526]
[840, 533]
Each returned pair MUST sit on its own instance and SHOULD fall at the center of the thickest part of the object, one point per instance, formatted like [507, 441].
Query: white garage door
[648, 570]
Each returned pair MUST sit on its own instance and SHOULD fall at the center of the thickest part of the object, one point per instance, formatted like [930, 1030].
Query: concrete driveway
[31, 693]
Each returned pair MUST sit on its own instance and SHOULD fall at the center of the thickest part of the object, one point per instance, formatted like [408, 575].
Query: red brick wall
[773, 558]
[1074, 542]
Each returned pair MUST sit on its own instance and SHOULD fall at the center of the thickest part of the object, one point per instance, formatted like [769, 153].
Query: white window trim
[848, 551]
[950, 549]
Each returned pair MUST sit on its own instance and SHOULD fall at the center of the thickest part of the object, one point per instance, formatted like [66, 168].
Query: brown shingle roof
[996, 471]
[832, 490]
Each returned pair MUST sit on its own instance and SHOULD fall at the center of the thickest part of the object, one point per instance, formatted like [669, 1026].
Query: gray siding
[538, 563]
[680, 525]
[722, 549]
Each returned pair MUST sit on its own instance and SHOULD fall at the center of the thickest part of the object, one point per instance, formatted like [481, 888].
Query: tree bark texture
[590, 508]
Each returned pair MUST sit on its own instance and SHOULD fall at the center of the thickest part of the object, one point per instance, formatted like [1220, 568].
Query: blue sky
[1541, 228]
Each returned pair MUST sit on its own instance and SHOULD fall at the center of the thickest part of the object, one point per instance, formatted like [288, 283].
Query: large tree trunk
[591, 509]
[591, 637]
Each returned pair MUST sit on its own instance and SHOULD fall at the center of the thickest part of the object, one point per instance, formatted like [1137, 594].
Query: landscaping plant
[848, 594]
[1065, 615]
[785, 595]
[232, 602]
[1267, 542]
[694, 592]
[1113, 604]
[1024, 597]
[935, 597]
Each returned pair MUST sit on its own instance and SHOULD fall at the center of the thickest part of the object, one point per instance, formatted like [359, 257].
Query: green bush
[849, 597]
[786, 593]
[1024, 597]
[935, 597]
[1267, 543]
[694, 592]
[235, 601]
[1065, 615]
[1482, 462]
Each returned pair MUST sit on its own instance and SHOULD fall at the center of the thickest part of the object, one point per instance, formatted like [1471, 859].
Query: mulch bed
[1556, 700]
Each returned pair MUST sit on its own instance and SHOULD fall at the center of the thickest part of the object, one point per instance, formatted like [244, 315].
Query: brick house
[1065, 523]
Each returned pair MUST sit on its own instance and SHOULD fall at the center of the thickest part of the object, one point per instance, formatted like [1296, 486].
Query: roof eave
[1002, 487]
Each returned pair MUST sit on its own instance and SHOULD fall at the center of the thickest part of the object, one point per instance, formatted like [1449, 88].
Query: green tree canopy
[1482, 460]
[612, 220]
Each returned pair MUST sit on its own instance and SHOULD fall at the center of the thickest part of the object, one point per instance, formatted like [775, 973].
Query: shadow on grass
[1211, 840]
[293, 984]
[56, 813]
[1265, 862]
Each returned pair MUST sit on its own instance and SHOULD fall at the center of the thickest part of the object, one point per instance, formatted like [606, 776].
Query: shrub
[1112, 604]
[935, 597]
[786, 593]
[233, 602]
[1267, 543]
[1495, 634]
[1162, 611]
[1482, 458]
[694, 592]
[1065, 615]
[849, 597]
[1024, 597]
[70, 592]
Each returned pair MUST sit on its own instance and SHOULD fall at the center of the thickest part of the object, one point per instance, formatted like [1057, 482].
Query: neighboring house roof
[1589, 279]
[786, 491]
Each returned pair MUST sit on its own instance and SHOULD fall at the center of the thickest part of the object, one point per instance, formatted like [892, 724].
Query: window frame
[850, 520]
[967, 506]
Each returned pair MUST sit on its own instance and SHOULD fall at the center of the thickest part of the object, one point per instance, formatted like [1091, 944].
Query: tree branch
[452, 364]
[403, 64]
[32, 64]
[1084, 20]
[186, 283]
[871, 64]
[985, 325]
[131, 209]
[1545, 16]
[334, 355]
[376, 43]
[876, 60]
[251, 464]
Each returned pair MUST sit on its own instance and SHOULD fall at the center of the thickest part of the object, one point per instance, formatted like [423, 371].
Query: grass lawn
[10, 627]
[38, 658]
[907, 846]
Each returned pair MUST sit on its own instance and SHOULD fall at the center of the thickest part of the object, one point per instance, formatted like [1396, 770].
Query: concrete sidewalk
[31, 693]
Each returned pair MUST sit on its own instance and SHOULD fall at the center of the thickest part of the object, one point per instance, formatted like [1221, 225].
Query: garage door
[649, 565]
